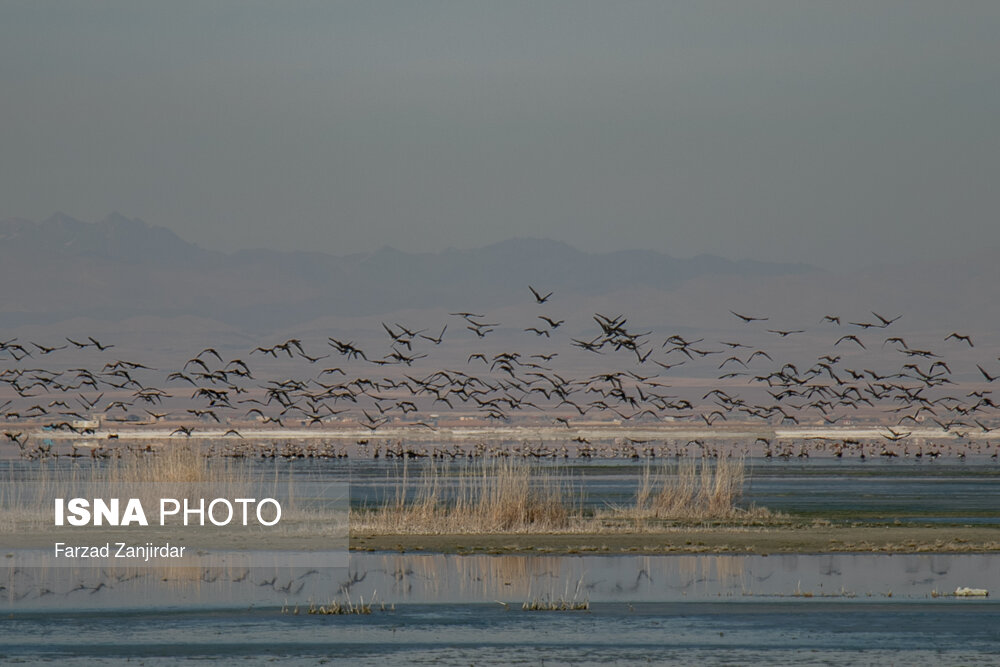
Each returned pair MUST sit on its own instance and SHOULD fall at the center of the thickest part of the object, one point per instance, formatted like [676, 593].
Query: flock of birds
[864, 372]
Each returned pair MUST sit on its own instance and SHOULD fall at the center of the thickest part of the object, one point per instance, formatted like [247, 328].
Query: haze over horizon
[839, 135]
[116, 217]
[120, 274]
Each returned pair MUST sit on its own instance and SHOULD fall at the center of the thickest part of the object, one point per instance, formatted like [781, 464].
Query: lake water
[450, 609]
[447, 609]
[880, 489]
[887, 490]
[776, 632]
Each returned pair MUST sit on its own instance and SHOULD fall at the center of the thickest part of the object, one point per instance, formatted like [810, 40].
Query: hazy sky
[826, 132]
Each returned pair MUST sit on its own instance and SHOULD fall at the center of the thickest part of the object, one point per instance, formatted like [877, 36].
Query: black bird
[885, 321]
[989, 378]
[958, 336]
[440, 336]
[749, 318]
[98, 345]
[785, 333]
[47, 350]
[210, 350]
[198, 362]
[480, 331]
[538, 297]
[851, 337]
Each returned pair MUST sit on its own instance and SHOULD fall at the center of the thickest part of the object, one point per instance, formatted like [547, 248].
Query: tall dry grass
[173, 471]
[511, 496]
[691, 489]
[494, 496]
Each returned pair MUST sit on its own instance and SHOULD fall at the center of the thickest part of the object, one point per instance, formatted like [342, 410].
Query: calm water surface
[783, 633]
[843, 609]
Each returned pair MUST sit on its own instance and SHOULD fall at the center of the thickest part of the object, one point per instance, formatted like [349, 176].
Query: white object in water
[965, 592]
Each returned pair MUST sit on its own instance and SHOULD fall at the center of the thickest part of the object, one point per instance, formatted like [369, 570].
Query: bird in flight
[538, 332]
[98, 345]
[850, 337]
[748, 318]
[958, 336]
[538, 297]
[885, 321]
[44, 349]
[785, 333]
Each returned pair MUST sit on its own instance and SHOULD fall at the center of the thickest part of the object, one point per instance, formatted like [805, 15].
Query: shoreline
[598, 430]
[584, 441]
[802, 539]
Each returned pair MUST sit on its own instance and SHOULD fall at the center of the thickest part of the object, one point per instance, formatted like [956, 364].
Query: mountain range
[121, 268]
[158, 297]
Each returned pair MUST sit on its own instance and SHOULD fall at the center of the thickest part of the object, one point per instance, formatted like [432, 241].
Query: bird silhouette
[749, 318]
[538, 297]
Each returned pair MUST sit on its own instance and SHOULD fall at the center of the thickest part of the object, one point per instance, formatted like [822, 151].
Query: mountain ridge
[121, 267]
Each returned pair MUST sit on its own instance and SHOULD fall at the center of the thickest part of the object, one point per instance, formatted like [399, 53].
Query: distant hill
[159, 298]
[120, 268]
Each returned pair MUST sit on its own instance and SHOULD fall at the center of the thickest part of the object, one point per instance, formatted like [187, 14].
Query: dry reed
[133, 474]
[495, 496]
[559, 604]
[172, 470]
[690, 490]
[510, 496]
[346, 608]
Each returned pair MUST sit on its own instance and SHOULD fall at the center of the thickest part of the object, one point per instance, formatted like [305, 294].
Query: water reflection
[467, 579]
[445, 578]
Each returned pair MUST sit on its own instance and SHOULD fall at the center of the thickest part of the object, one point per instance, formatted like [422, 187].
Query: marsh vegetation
[505, 495]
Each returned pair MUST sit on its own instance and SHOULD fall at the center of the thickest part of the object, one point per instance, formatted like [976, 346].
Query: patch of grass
[170, 470]
[693, 489]
[512, 496]
[494, 496]
[345, 608]
[559, 604]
